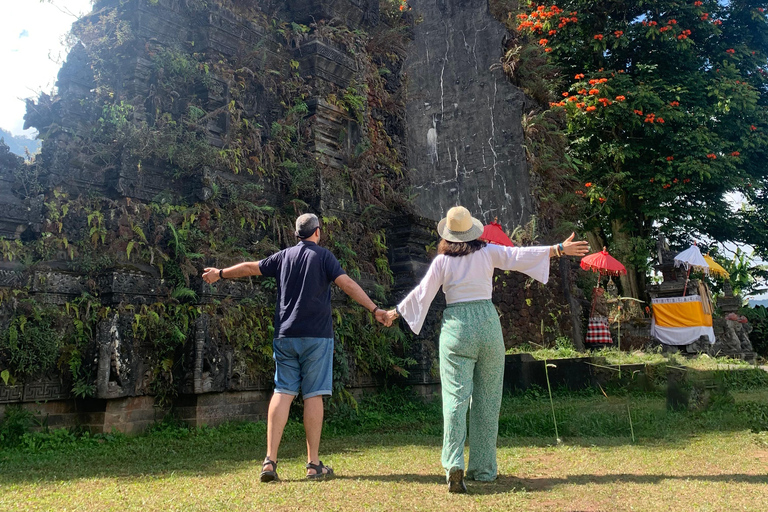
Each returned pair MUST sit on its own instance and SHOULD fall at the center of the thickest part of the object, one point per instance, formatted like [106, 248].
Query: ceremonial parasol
[494, 234]
[715, 267]
[691, 258]
[604, 264]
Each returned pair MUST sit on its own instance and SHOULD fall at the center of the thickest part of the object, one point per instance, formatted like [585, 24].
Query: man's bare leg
[313, 425]
[277, 417]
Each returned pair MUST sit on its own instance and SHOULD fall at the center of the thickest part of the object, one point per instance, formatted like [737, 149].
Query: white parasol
[691, 258]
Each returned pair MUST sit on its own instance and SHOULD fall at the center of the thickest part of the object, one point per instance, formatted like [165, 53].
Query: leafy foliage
[666, 110]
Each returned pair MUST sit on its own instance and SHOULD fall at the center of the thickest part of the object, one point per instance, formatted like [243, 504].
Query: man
[303, 343]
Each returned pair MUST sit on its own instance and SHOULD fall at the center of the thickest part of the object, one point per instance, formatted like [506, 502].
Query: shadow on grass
[511, 484]
[137, 458]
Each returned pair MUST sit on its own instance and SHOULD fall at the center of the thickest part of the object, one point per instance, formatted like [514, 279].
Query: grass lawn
[708, 460]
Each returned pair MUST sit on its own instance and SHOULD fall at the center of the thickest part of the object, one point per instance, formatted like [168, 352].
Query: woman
[471, 342]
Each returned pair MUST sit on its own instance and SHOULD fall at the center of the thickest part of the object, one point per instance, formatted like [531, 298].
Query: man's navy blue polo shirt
[304, 275]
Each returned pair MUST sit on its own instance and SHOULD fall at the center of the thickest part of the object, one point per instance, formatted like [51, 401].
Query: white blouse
[470, 277]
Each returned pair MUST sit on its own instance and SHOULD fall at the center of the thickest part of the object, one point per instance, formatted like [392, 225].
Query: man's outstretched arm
[351, 288]
[248, 268]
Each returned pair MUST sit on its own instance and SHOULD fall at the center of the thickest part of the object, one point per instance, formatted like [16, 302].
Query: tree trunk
[575, 308]
[630, 284]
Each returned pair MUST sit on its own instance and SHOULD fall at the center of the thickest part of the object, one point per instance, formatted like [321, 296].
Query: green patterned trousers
[472, 374]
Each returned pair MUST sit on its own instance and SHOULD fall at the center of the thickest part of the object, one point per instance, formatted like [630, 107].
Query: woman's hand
[571, 248]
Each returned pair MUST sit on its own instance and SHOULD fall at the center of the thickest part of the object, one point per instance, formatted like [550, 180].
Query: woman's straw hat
[459, 226]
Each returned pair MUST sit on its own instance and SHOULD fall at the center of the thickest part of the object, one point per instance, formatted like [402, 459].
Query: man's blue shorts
[303, 363]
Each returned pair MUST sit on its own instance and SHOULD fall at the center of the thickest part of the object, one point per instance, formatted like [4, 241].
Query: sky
[32, 49]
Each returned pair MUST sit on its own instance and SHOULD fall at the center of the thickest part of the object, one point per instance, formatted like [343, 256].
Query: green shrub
[30, 345]
[16, 423]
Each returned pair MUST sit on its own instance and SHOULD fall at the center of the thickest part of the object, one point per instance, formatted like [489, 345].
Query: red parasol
[494, 234]
[603, 263]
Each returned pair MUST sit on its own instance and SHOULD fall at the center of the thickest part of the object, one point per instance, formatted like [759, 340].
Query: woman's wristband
[562, 249]
[375, 309]
[221, 273]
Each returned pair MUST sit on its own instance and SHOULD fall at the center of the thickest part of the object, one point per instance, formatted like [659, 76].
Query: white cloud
[31, 52]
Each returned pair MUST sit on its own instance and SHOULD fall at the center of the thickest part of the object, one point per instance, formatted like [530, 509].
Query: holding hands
[383, 317]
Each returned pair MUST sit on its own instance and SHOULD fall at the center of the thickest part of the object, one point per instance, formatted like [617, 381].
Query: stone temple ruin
[188, 133]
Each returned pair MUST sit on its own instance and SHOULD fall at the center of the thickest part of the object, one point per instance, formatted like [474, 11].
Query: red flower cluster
[753, 128]
[670, 158]
[672, 22]
[717, 22]
[651, 118]
[547, 50]
[674, 104]
[582, 91]
[664, 29]
[618, 33]
[735, 153]
[591, 108]
[705, 16]
[579, 76]
[557, 104]
[712, 156]
[620, 98]
[552, 32]
[604, 101]
[698, 3]
[638, 112]
[730, 50]
[599, 37]
[684, 34]
[588, 184]
[649, 23]
[687, 180]
[404, 5]
[760, 9]
[580, 105]
[667, 186]
[564, 20]
[573, 98]
[565, 94]
[601, 199]
[594, 91]
[532, 22]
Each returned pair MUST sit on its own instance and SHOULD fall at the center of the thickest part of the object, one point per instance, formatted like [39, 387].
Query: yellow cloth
[681, 314]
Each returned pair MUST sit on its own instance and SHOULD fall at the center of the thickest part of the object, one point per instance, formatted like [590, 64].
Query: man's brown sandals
[268, 475]
[321, 471]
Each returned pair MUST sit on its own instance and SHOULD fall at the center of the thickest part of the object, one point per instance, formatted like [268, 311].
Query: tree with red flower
[673, 46]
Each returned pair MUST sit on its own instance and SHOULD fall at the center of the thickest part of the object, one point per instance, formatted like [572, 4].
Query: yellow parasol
[715, 267]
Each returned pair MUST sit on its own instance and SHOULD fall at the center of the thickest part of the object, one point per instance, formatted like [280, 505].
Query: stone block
[325, 60]
[352, 13]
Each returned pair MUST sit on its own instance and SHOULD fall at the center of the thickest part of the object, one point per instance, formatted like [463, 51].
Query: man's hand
[210, 275]
[383, 318]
